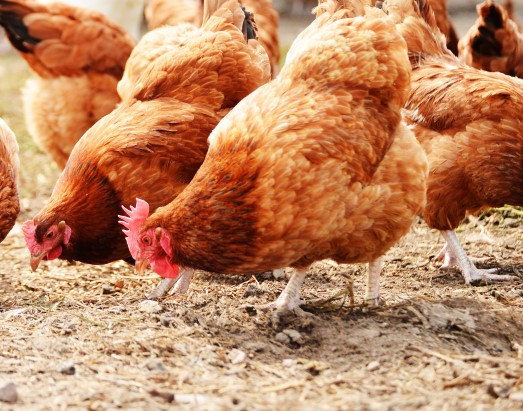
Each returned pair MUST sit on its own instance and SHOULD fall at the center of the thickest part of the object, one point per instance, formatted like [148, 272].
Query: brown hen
[78, 56]
[152, 144]
[316, 164]
[470, 123]
[9, 169]
[494, 43]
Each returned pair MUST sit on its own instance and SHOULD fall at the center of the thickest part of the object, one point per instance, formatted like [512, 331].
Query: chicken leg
[454, 253]
[372, 291]
[289, 299]
[180, 284]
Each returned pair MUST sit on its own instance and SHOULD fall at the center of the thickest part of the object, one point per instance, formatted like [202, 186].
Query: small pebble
[119, 284]
[373, 366]
[237, 356]
[108, 289]
[166, 396]
[150, 306]
[117, 309]
[13, 313]
[68, 368]
[155, 364]
[8, 392]
[289, 362]
[283, 338]
[256, 346]
[252, 289]
[294, 335]
[516, 396]
[167, 320]
[68, 328]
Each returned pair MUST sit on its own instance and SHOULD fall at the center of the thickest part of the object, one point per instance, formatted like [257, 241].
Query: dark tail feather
[452, 41]
[249, 27]
[11, 19]
[485, 42]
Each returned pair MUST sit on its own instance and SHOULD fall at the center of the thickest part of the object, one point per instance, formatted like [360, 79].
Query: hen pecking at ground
[470, 122]
[315, 164]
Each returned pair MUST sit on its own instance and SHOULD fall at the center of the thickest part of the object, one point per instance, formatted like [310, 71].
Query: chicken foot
[180, 284]
[453, 253]
[289, 299]
[372, 291]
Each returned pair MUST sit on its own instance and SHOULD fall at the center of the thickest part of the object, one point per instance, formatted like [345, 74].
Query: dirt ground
[75, 337]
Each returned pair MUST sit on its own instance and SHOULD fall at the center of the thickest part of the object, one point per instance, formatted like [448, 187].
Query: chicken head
[45, 245]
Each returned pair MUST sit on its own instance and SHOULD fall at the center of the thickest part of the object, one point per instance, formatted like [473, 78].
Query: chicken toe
[456, 254]
[289, 300]
[450, 260]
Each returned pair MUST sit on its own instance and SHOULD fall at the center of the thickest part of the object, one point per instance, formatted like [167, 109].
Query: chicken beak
[36, 258]
[141, 266]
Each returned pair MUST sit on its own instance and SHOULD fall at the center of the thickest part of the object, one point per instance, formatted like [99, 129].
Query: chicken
[470, 122]
[126, 13]
[152, 144]
[315, 164]
[162, 12]
[78, 56]
[444, 23]
[494, 43]
[9, 168]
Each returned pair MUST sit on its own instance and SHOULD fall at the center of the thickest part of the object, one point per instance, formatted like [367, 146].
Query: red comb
[29, 230]
[133, 222]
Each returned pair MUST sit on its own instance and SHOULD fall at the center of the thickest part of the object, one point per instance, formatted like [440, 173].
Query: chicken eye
[49, 235]
[146, 240]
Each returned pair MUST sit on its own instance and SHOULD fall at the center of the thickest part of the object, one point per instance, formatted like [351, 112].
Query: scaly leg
[289, 299]
[470, 273]
[180, 284]
[449, 260]
[372, 292]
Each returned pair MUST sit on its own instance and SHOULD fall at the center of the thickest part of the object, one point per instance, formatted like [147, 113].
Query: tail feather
[12, 14]
[494, 42]
[249, 27]
[229, 11]
[494, 18]
[416, 22]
